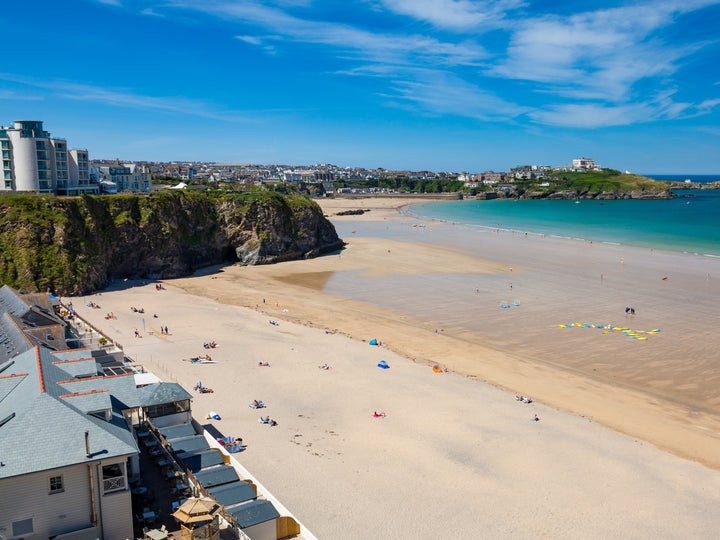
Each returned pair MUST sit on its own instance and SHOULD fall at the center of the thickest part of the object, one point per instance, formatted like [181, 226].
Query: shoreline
[648, 246]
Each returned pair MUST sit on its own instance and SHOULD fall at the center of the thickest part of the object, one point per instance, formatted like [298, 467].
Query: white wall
[266, 530]
[25, 161]
[29, 496]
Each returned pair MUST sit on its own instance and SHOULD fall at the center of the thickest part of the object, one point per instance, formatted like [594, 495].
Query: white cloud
[253, 40]
[596, 115]
[149, 11]
[454, 14]
[594, 55]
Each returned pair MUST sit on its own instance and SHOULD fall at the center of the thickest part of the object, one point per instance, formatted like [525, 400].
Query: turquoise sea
[689, 223]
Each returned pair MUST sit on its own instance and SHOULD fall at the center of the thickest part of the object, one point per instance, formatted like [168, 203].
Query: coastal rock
[76, 245]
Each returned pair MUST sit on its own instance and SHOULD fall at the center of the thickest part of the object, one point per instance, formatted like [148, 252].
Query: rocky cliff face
[75, 245]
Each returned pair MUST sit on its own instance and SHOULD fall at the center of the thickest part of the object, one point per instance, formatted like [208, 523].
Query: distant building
[118, 177]
[585, 163]
[180, 171]
[33, 161]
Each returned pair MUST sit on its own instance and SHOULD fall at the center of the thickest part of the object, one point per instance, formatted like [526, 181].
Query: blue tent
[383, 364]
[373, 341]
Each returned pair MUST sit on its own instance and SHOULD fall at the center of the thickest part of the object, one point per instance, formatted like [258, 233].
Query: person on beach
[536, 419]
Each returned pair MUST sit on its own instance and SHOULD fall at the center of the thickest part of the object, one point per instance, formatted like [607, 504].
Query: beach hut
[199, 519]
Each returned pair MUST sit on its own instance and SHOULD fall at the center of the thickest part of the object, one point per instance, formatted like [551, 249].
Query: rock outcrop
[73, 245]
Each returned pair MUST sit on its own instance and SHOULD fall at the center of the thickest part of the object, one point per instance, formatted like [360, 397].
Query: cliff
[73, 245]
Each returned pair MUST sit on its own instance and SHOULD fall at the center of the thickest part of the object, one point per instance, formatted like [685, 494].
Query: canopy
[195, 510]
[373, 341]
[383, 364]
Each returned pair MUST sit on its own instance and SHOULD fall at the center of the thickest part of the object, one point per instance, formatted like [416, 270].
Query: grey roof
[233, 493]
[98, 400]
[86, 367]
[202, 459]
[254, 512]
[11, 302]
[122, 388]
[13, 340]
[217, 476]
[159, 393]
[34, 314]
[173, 432]
[46, 431]
[189, 444]
[73, 354]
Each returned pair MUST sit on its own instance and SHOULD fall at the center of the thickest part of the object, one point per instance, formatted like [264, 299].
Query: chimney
[87, 444]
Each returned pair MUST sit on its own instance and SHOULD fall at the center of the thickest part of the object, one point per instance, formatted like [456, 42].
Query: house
[66, 449]
[68, 417]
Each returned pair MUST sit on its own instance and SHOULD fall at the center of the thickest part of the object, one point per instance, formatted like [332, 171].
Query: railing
[86, 323]
[113, 484]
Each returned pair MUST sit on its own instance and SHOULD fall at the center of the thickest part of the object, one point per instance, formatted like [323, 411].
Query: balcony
[113, 484]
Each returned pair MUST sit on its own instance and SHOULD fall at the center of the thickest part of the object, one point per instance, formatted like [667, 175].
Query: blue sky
[401, 84]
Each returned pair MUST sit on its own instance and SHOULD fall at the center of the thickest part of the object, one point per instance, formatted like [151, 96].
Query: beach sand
[455, 457]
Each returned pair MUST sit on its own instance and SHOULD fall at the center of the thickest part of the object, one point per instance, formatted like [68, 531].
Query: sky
[443, 85]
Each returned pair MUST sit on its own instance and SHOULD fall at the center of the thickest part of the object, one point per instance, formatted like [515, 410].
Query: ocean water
[689, 223]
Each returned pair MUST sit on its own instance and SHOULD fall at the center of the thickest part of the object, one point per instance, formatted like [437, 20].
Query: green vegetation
[76, 244]
[603, 181]
[403, 183]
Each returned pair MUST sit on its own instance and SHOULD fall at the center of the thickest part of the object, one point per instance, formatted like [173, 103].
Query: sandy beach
[455, 457]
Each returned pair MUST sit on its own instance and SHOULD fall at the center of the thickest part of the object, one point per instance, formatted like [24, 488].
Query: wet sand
[456, 457]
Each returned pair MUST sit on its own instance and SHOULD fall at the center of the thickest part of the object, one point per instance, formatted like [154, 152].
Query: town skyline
[450, 85]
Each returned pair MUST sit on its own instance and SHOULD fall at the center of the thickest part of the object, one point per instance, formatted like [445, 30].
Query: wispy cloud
[461, 15]
[439, 92]
[127, 98]
[343, 38]
[594, 55]
[150, 12]
[11, 95]
[597, 68]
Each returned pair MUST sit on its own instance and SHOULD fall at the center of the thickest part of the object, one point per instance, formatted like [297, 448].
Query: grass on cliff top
[608, 180]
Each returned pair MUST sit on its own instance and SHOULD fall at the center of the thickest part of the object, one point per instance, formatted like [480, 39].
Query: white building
[125, 176]
[586, 164]
[34, 161]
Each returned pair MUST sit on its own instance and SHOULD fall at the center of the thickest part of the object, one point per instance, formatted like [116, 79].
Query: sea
[688, 224]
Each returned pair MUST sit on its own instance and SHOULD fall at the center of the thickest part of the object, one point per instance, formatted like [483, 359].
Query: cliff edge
[74, 245]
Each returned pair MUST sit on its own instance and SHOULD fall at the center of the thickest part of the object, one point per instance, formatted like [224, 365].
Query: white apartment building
[124, 176]
[34, 161]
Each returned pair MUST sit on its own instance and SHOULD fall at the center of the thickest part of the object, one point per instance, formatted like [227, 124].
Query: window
[56, 484]
[22, 527]
[113, 477]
